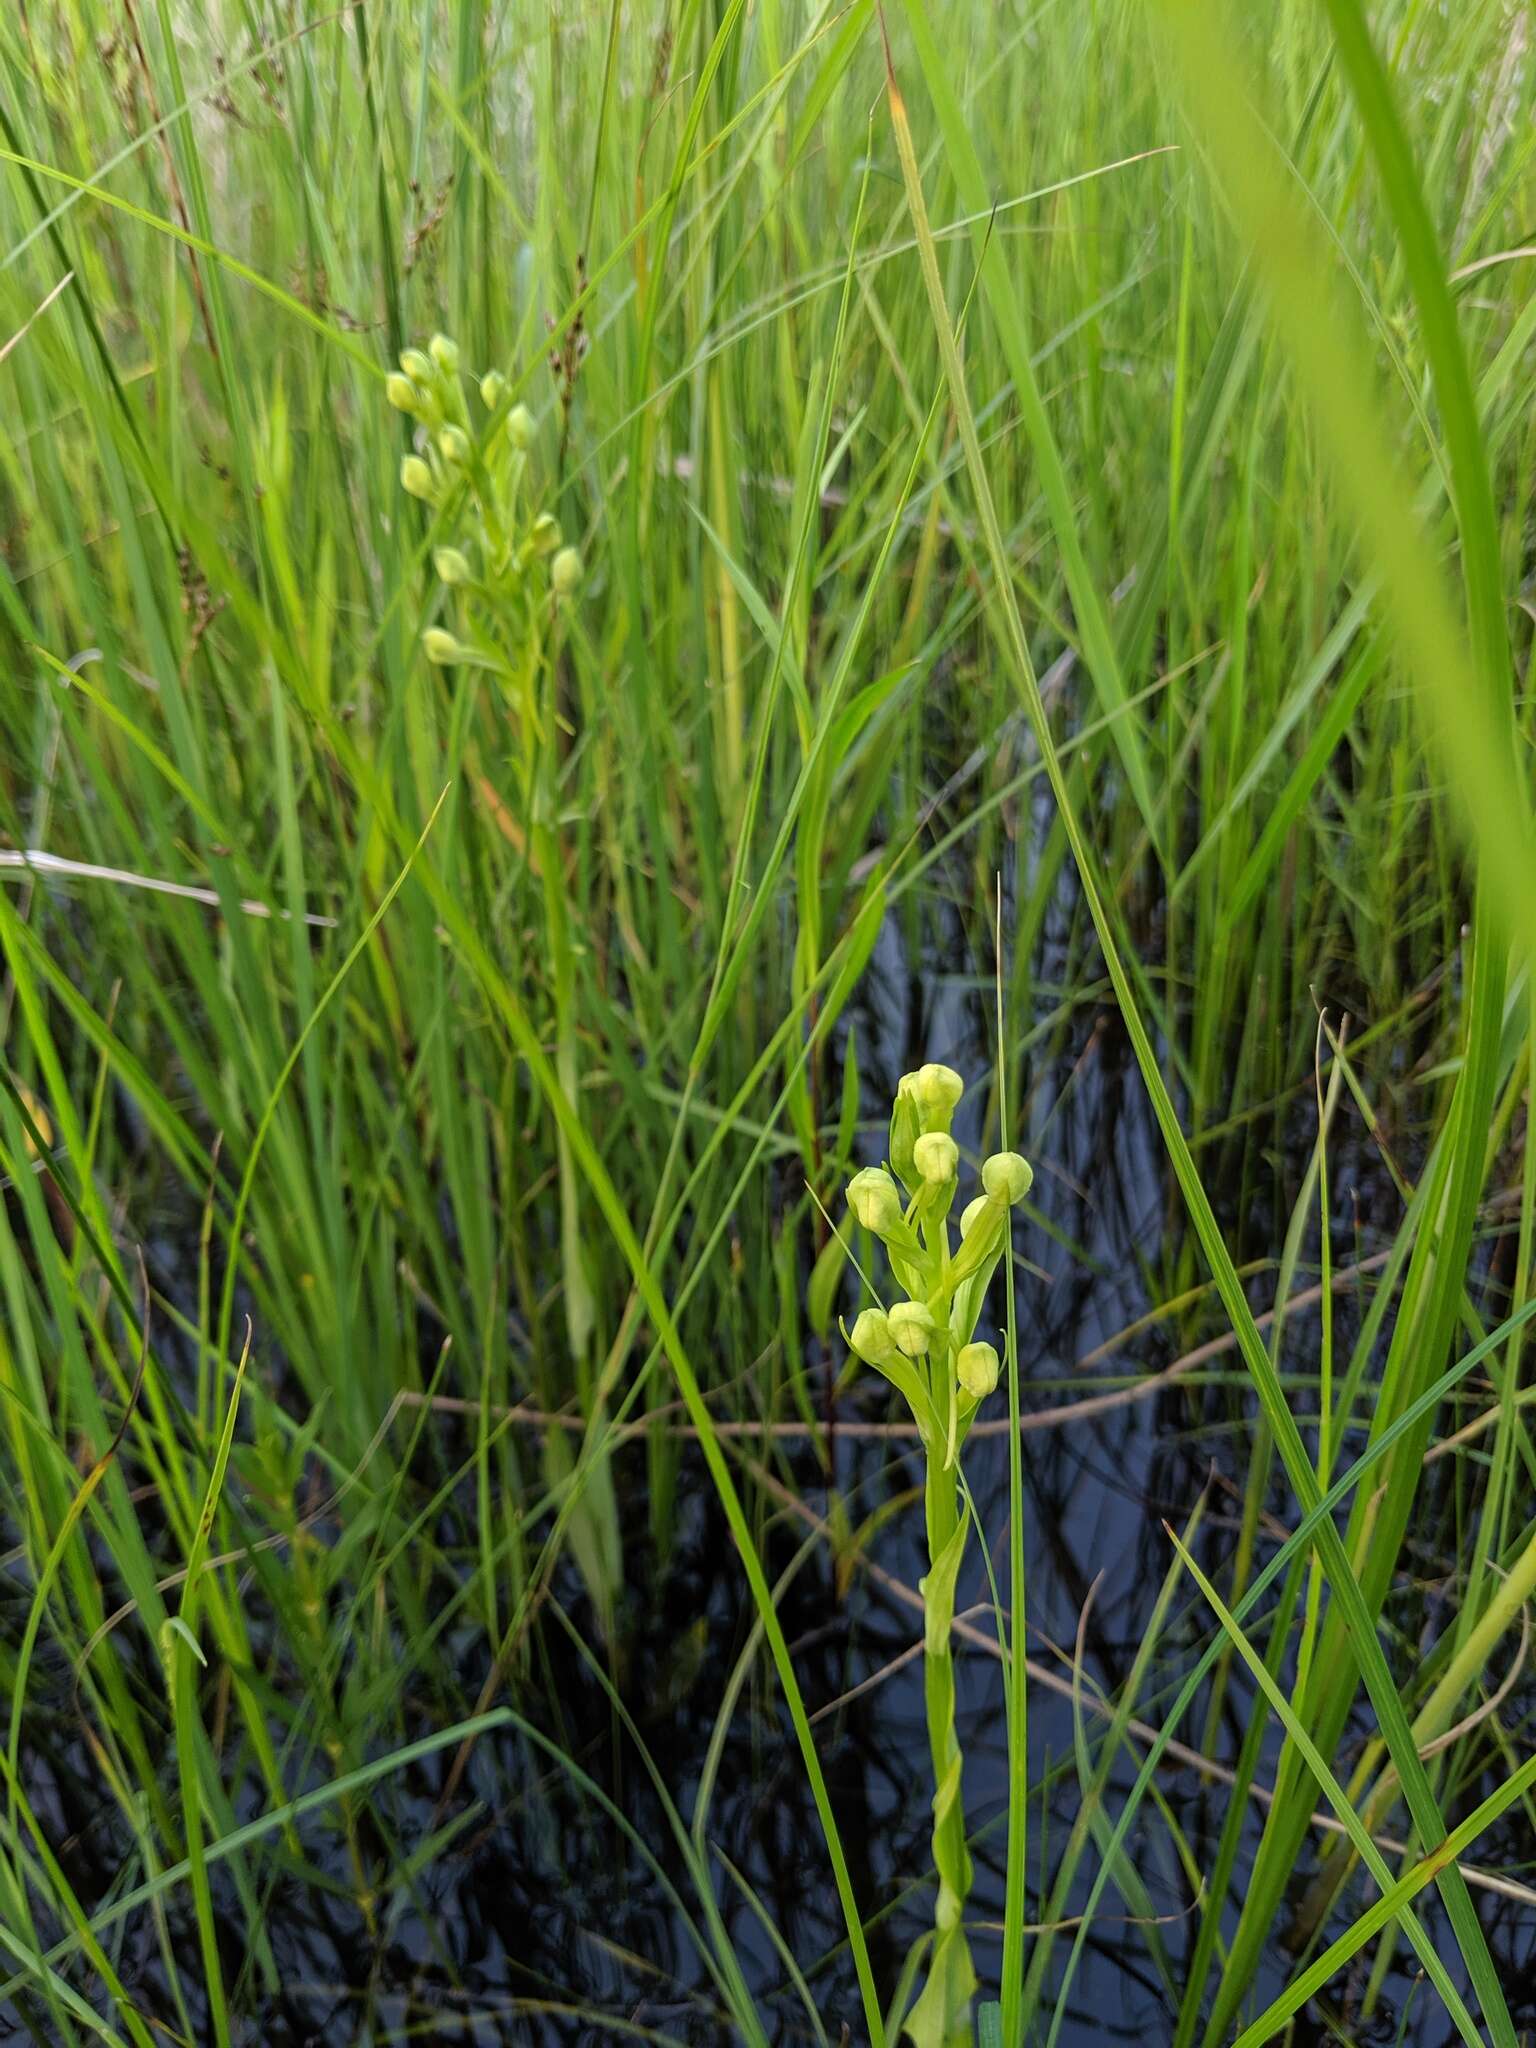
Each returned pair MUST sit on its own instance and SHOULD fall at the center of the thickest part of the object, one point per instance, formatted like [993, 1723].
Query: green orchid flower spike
[925, 1345]
[506, 599]
[474, 471]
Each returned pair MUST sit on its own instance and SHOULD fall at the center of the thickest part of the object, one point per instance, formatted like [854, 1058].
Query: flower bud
[565, 572]
[971, 1215]
[493, 388]
[444, 353]
[873, 1199]
[977, 1368]
[441, 648]
[520, 427]
[936, 1157]
[905, 1131]
[416, 366]
[400, 392]
[417, 478]
[1007, 1176]
[453, 444]
[871, 1337]
[452, 567]
[912, 1326]
[545, 535]
[934, 1091]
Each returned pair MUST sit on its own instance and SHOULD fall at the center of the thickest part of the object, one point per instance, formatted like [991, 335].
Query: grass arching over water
[858, 423]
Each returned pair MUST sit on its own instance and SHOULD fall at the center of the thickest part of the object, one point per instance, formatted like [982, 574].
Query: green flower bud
[441, 648]
[873, 1199]
[912, 1326]
[933, 1091]
[453, 444]
[905, 1131]
[1007, 1176]
[452, 567]
[520, 427]
[871, 1337]
[417, 478]
[936, 1157]
[545, 536]
[401, 392]
[977, 1368]
[493, 388]
[444, 353]
[972, 1214]
[565, 572]
[416, 366]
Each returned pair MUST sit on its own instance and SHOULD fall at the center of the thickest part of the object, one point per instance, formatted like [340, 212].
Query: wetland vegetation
[680, 678]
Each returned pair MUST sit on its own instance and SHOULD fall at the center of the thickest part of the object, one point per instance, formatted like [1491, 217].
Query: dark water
[541, 1912]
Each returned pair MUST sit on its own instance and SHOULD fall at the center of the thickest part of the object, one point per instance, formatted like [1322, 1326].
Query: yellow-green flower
[873, 1198]
[565, 572]
[977, 1367]
[934, 1092]
[937, 1157]
[441, 648]
[912, 1326]
[1007, 1176]
[452, 566]
[417, 478]
[871, 1337]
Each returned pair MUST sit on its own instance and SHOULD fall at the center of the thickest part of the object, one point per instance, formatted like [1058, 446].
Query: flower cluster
[483, 468]
[925, 1344]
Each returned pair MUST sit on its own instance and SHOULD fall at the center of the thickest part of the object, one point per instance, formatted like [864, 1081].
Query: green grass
[1083, 447]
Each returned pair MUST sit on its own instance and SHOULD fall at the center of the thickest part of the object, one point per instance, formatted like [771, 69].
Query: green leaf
[826, 1275]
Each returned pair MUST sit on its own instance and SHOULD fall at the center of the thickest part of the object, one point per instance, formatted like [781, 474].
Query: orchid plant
[925, 1345]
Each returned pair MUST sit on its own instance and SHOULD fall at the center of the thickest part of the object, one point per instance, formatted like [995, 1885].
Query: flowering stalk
[476, 476]
[926, 1347]
[508, 577]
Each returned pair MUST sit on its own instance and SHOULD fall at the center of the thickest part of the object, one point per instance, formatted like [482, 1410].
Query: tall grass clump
[586, 593]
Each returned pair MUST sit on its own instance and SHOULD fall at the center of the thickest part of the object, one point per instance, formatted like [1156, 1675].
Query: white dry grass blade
[35, 860]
